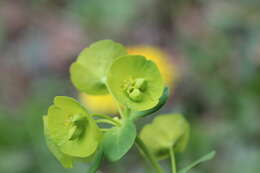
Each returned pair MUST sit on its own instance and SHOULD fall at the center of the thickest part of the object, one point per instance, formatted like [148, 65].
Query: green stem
[107, 118]
[104, 130]
[106, 121]
[173, 163]
[117, 104]
[148, 155]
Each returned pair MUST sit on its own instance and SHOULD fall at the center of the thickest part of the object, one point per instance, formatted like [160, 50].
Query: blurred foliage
[215, 44]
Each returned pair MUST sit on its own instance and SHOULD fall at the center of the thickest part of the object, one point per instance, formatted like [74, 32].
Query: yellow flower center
[134, 88]
[77, 128]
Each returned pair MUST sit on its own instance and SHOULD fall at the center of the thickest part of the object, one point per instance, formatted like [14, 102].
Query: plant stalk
[148, 155]
[116, 102]
[173, 162]
[106, 117]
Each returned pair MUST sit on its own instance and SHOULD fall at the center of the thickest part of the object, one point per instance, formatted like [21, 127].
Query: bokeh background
[213, 45]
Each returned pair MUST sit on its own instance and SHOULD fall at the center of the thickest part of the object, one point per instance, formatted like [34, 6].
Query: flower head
[70, 131]
[170, 130]
[135, 82]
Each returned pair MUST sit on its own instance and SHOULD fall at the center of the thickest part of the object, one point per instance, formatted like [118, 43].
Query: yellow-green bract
[166, 131]
[70, 131]
[135, 82]
[118, 141]
[88, 73]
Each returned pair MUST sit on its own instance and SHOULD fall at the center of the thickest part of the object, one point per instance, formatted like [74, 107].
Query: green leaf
[88, 73]
[135, 82]
[119, 140]
[65, 160]
[71, 128]
[205, 158]
[163, 99]
[166, 131]
[94, 165]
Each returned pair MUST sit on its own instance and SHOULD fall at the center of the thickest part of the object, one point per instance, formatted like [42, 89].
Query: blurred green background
[214, 44]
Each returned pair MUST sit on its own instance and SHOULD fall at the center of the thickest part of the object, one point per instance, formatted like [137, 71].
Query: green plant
[73, 134]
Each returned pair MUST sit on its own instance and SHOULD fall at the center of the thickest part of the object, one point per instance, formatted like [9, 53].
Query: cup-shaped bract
[88, 73]
[135, 82]
[71, 133]
[66, 160]
[166, 131]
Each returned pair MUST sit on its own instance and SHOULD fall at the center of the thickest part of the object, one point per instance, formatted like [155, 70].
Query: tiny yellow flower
[104, 104]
